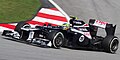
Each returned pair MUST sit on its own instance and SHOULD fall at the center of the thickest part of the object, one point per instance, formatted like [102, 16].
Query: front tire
[19, 25]
[110, 44]
[57, 39]
[23, 35]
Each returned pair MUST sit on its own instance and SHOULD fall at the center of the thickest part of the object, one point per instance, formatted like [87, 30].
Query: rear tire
[57, 39]
[110, 44]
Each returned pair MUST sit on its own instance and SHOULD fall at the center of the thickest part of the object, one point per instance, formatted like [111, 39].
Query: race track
[105, 10]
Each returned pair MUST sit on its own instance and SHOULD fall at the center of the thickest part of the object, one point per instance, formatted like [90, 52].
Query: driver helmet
[66, 26]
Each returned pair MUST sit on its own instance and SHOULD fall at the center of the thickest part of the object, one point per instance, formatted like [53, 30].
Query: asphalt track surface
[105, 10]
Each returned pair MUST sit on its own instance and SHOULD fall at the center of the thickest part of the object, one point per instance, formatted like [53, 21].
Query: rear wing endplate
[109, 28]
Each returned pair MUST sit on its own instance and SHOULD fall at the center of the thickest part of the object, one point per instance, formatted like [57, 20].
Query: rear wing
[109, 28]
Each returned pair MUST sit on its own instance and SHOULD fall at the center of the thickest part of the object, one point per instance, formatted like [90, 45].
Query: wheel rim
[58, 40]
[114, 45]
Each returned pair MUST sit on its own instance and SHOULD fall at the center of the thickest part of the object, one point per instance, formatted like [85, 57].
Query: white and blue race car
[76, 34]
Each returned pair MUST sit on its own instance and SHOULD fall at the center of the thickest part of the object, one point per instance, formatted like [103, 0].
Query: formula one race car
[77, 35]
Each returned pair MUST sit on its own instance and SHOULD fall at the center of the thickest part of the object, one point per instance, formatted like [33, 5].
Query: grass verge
[17, 10]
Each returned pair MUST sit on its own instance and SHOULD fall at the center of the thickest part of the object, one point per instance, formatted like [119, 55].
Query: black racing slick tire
[23, 35]
[110, 44]
[57, 39]
[19, 25]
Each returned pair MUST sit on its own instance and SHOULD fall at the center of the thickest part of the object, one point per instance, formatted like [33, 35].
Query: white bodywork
[100, 24]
